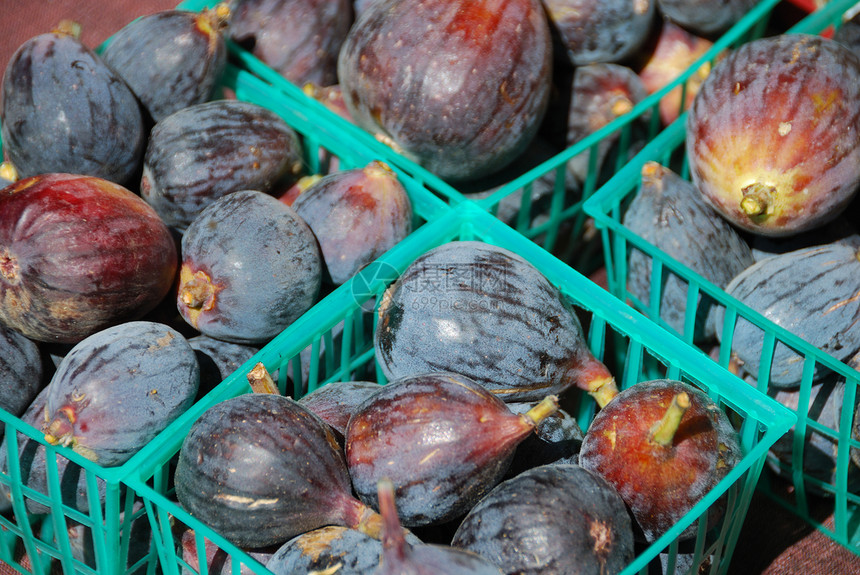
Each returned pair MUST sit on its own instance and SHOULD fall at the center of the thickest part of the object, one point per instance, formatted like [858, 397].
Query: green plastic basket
[44, 539]
[799, 489]
[634, 348]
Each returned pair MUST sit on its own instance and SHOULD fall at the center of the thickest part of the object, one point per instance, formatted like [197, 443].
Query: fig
[335, 548]
[663, 444]
[206, 151]
[760, 140]
[555, 518]
[250, 267]
[675, 51]
[77, 255]
[170, 59]
[600, 32]
[460, 86]
[118, 388]
[23, 371]
[484, 312]
[335, 402]
[300, 39]
[703, 17]
[218, 359]
[330, 96]
[356, 216]
[557, 439]
[668, 212]
[849, 33]
[399, 556]
[441, 437]
[261, 469]
[64, 110]
[600, 94]
[811, 292]
[841, 230]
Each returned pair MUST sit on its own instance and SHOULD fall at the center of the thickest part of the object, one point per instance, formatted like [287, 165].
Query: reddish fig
[442, 438]
[459, 86]
[300, 39]
[760, 138]
[78, 254]
[399, 557]
[261, 469]
[356, 216]
[663, 444]
[676, 50]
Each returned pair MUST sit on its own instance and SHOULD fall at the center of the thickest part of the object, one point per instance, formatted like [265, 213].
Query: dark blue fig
[118, 388]
[600, 32]
[443, 439]
[300, 39]
[260, 469]
[668, 212]
[64, 110]
[704, 17]
[399, 556]
[356, 216]
[812, 292]
[551, 519]
[849, 33]
[170, 59]
[335, 402]
[218, 359]
[250, 267]
[338, 549]
[22, 371]
[206, 151]
[842, 230]
[480, 310]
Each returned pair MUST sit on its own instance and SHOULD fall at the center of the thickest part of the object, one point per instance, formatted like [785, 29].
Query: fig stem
[604, 391]
[393, 538]
[370, 523]
[196, 292]
[546, 407]
[757, 199]
[261, 381]
[8, 171]
[663, 432]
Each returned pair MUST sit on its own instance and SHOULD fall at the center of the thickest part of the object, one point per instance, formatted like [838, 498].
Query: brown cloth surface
[773, 540]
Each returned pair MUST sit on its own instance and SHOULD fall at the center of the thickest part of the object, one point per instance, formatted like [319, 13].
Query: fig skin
[442, 438]
[676, 50]
[356, 216]
[79, 254]
[761, 141]
[143, 53]
[335, 402]
[206, 151]
[704, 17]
[65, 110]
[583, 523]
[118, 388]
[660, 482]
[492, 317]
[458, 86]
[261, 469]
[250, 267]
[609, 31]
[300, 39]
[23, 372]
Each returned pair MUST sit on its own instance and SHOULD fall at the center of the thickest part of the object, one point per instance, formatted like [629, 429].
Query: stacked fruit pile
[157, 226]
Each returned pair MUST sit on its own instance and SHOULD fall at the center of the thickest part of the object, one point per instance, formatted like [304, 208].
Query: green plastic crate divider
[607, 207]
[634, 348]
[326, 117]
[322, 141]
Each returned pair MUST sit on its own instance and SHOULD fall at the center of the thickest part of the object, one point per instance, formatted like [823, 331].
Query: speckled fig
[459, 86]
[250, 267]
[760, 140]
[79, 254]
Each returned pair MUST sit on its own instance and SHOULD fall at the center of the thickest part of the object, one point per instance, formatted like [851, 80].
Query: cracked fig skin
[761, 138]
